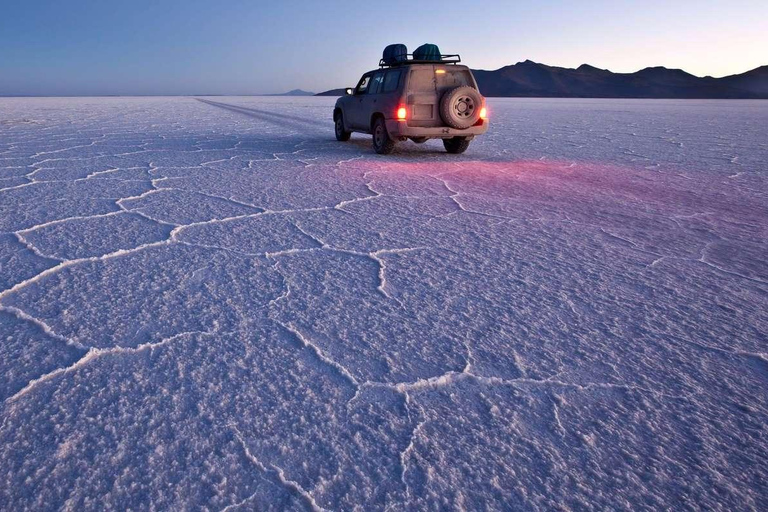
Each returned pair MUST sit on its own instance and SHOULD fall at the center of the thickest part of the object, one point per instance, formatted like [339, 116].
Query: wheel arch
[375, 116]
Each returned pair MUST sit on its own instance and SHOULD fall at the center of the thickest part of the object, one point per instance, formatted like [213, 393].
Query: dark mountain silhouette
[531, 79]
[755, 81]
[332, 92]
[295, 92]
[538, 80]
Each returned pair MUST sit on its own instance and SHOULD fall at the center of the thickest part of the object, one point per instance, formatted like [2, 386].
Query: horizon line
[286, 94]
[316, 93]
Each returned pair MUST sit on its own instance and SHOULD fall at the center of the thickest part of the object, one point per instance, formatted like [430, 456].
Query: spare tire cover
[460, 107]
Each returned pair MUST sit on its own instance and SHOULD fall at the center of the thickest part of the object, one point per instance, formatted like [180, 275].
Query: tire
[460, 107]
[456, 145]
[342, 135]
[382, 143]
[419, 140]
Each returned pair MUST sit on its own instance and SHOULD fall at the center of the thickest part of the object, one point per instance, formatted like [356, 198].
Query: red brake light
[402, 112]
[483, 113]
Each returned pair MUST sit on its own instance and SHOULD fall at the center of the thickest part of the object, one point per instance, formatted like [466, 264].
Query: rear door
[422, 97]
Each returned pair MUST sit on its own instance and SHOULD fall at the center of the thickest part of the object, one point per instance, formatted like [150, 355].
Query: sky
[190, 47]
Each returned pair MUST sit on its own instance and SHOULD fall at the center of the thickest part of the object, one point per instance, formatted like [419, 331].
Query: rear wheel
[341, 134]
[456, 145]
[382, 143]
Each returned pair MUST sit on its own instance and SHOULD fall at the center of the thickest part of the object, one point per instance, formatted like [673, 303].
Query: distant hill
[332, 92]
[531, 79]
[539, 80]
[755, 81]
[295, 92]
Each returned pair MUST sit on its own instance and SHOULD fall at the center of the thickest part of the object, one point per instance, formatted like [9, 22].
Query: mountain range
[531, 79]
[333, 92]
[295, 92]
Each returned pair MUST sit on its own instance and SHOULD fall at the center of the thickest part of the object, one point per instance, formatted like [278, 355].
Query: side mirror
[348, 91]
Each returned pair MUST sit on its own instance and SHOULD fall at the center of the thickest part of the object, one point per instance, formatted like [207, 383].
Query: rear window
[452, 77]
[391, 81]
[422, 79]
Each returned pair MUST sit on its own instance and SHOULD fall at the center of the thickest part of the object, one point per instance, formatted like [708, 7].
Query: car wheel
[460, 107]
[341, 134]
[456, 145]
[382, 143]
[419, 140]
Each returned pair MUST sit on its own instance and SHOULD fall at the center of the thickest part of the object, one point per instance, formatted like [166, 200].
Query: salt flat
[218, 306]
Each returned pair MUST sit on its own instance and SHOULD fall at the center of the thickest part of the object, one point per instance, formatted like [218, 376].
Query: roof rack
[444, 59]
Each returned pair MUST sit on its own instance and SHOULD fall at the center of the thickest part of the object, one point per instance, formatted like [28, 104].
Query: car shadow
[359, 141]
[265, 115]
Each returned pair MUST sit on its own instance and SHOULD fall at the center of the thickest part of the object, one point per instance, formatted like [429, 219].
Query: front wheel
[382, 143]
[341, 134]
[456, 145]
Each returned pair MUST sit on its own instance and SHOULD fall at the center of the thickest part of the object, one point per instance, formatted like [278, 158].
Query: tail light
[483, 113]
[402, 113]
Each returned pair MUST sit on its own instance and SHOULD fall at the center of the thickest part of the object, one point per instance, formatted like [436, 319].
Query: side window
[375, 87]
[391, 81]
[362, 87]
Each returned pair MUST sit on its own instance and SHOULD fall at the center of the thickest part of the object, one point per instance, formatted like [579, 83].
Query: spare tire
[460, 107]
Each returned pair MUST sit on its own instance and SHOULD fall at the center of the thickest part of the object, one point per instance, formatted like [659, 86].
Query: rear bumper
[397, 128]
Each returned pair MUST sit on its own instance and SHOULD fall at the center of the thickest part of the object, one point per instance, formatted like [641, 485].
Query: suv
[417, 97]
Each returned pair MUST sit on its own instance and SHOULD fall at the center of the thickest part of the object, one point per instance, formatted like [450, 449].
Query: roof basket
[444, 59]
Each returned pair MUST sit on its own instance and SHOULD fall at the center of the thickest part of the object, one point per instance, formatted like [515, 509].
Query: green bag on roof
[427, 52]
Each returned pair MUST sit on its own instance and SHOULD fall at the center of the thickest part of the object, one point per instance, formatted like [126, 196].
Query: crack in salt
[405, 454]
[32, 248]
[99, 173]
[68, 219]
[373, 255]
[454, 196]
[376, 256]
[341, 369]
[24, 316]
[292, 485]
[95, 353]
[556, 413]
[68, 263]
[702, 259]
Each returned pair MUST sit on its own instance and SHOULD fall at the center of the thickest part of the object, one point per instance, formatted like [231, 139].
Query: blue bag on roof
[427, 52]
[395, 53]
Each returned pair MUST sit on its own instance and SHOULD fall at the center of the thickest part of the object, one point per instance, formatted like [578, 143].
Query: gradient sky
[91, 47]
